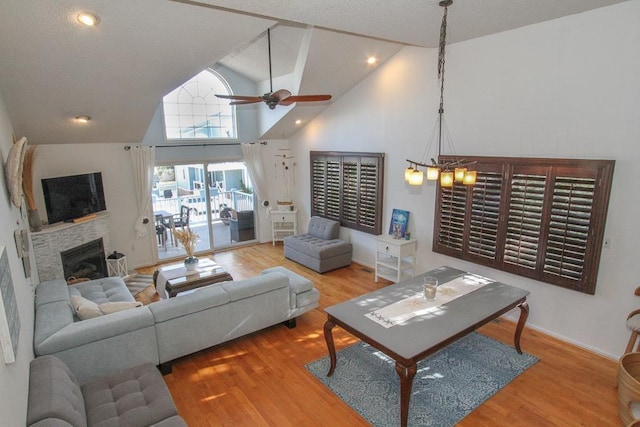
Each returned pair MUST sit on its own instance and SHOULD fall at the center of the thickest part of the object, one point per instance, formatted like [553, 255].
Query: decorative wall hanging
[22, 247]
[27, 186]
[285, 170]
[13, 170]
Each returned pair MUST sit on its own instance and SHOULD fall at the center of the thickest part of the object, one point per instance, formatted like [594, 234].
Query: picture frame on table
[399, 222]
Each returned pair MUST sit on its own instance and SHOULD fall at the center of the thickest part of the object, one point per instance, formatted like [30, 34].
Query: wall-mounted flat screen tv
[70, 197]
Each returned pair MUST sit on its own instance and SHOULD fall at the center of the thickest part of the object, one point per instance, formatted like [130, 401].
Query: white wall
[14, 377]
[117, 175]
[564, 88]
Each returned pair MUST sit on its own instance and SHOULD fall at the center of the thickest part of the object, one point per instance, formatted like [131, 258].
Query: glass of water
[430, 288]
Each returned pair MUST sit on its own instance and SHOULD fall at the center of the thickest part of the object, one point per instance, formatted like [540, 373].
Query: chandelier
[452, 170]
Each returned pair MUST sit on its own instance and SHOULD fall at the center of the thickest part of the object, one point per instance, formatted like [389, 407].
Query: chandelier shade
[407, 173]
[446, 179]
[416, 177]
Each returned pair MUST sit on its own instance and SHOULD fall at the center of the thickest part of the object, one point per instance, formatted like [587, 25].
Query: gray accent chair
[321, 248]
[136, 397]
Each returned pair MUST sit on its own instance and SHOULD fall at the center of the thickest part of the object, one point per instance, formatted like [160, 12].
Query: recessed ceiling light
[372, 60]
[82, 119]
[298, 121]
[88, 19]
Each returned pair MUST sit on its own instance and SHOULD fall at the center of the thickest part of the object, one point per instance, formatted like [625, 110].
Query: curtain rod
[128, 147]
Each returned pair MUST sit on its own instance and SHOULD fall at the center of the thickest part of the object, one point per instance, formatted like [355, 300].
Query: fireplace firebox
[85, 261]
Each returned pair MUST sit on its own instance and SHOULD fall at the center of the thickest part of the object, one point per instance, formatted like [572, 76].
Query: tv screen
[69, 197]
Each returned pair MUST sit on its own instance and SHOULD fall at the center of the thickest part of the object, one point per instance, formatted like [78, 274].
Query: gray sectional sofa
[165, 330]
[321, 248]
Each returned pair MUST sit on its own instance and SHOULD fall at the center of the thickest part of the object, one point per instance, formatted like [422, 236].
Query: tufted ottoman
[320, 249]
[134, 397]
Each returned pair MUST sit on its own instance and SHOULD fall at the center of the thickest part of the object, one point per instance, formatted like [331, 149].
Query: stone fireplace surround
[54, 239]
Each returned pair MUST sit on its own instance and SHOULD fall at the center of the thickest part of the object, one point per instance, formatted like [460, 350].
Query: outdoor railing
[237, 200]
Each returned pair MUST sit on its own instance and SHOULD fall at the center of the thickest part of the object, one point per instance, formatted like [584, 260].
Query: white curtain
[143, 159]
[253, 156]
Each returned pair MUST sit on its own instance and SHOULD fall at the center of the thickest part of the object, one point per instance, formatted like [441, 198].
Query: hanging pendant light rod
[269, 48]
[436, 169]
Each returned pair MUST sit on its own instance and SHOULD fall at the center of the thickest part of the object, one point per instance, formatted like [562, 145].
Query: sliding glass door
[215, 200]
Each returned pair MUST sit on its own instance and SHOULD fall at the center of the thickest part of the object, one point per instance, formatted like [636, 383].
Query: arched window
[192, 111]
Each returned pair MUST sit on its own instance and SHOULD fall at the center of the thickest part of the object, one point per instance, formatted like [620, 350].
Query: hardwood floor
[261, 379]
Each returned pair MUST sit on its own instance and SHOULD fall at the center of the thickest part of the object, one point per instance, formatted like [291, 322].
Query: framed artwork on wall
[399, 222]
[9, 317]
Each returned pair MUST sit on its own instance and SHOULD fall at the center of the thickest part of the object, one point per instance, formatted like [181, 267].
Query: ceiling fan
[272, 99]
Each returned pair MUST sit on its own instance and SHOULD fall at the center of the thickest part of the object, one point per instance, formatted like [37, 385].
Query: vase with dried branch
[27, 187]
[187, 239]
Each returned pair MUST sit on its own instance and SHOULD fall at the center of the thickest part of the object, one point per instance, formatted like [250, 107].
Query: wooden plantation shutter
[485, 215]
[570, 225]
[350, 179]
[319, 186]
[524, 221]
[453, 213]
[348, 187]
[325, 187]
[370, 196]
[333, 190]
[539, 218]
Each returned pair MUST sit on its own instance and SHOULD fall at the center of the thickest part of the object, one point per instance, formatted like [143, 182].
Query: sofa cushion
[51, 318]
[106, 289]
[115, 306]
[324, 228]
[134, 397]
[316, 247]
[50, 291]
[299, 286]
[85, 309]
[205, 298]
[54, 394]
[254, 286]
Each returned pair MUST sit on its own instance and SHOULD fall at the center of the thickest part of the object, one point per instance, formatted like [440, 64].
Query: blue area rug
[448, 385]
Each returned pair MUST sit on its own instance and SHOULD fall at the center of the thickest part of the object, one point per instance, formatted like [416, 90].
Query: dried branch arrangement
[187, 239]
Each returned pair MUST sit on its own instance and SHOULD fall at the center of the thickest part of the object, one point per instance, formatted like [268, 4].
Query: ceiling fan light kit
[452, 171]
[271, 98]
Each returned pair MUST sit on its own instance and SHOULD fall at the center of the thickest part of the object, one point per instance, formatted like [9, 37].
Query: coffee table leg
[328, 336]
[406, 374]
[524, 314]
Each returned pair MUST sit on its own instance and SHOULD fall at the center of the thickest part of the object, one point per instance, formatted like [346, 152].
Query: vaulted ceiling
[52, 69]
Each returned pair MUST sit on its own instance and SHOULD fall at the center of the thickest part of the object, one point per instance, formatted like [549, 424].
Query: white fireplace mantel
[54, 239]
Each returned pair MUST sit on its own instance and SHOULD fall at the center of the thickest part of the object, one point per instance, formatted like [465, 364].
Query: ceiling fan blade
[281, 95]
[241, 97]
[304, 98]
[246, 101]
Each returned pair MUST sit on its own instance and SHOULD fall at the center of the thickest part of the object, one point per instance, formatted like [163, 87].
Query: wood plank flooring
[261, 379]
